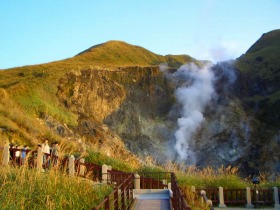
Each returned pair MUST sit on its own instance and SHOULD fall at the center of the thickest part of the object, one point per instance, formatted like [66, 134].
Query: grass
[210, 178]
[32, 90]
[118, 164]
[22, 188]
[226, 177]
[28, 189]
[193, 200]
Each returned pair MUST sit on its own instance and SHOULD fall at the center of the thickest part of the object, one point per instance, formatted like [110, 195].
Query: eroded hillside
[113, 97]
[131, 101]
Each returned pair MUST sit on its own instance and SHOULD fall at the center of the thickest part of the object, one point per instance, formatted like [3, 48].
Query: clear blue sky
[34, 32]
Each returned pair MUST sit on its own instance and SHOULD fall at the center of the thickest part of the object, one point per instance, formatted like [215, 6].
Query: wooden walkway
[159, 204]
[152, 200]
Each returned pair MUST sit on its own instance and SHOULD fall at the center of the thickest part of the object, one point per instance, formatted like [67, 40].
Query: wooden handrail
[124, 182]
[125, 196]
[178, 199]
[154, 180]
[238, 196]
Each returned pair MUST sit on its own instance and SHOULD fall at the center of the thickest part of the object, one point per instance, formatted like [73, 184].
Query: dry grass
[29, 189]
[194, 201]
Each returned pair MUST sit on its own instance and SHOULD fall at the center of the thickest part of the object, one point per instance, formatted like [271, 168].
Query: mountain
[259, 78]
[114, 98]
[47, 101]
[241, 126]
[258, 88]
[118, 53]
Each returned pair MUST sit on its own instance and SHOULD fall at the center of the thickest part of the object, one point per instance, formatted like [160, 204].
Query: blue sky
[34, 32]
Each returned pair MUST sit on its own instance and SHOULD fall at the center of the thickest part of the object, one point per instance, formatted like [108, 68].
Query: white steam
[195, 91]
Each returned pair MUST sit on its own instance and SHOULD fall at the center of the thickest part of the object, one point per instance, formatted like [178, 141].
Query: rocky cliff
[115, 97]
[131, 101]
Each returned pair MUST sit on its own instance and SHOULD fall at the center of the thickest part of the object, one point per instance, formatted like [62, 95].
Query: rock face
[131, 101]
[130, 108]
[258, 88]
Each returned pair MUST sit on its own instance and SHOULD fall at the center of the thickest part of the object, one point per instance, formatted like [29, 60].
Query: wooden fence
[242, 197]
[157, 180]
[178, 199]
[121, 197]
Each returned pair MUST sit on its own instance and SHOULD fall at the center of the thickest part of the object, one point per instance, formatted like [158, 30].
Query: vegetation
[29, 92]
[29, 189]
[23, 188]
[28, 95]
[209, 178]
[259, 80]
[100, 159]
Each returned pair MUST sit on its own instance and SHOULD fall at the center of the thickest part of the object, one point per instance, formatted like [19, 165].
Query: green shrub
[100, 159]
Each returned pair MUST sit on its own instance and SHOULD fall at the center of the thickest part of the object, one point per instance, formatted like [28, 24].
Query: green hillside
[259, 78]
[117, 53]
[263, 58]
[29, 93]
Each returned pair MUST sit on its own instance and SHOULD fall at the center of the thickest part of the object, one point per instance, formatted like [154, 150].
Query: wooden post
[193, 194]
[39, 159]
[122, 197]
[71, 165]
[164, 182]
[109, 174]
[6, 154]
[116, 198]
[136, 181]
[249, 198]
[203, 194]
[82, 167]
[104, 173]
[169, 186]
[276, 198]
[221, 198]
[107, 202]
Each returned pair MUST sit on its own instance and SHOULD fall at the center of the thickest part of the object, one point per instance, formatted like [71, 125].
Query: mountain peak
[269, 39]
[120, 53]
[109, 43]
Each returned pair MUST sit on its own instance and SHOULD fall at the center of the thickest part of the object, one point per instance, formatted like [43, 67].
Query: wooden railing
[157, 180]
[147, 181]
[178, 199]
[235, 196]
[121, 197]
[212, 194]
[92, 171]
[123, 183]
[264, 196]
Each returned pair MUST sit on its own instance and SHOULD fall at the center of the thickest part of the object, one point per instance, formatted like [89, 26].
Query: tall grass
[193, 199]
[210, 178]
[118, 164]
[29, 189]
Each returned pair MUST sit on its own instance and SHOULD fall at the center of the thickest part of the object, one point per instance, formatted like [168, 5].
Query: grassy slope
[260, 67]
[116, 53]
[263, 57]
[31, 90]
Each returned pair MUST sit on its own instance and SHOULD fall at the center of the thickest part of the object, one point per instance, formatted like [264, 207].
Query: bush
[100, 159]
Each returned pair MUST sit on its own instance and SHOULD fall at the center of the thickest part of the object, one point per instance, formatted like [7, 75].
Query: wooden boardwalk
[152, 200]
[152, 204]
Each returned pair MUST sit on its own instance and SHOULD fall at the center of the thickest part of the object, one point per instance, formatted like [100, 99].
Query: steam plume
[193, 94]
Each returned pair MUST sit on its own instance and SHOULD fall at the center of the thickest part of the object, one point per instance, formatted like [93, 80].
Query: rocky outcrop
[134, 105]
[126, 111]
[132, 102]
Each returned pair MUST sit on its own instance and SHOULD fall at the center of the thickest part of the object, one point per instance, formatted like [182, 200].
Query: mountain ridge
[122, 54]
[114, 94]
